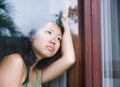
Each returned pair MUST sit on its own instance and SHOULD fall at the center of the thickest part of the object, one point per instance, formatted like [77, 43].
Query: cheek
[58, 46]
[38, 42]
[39, 38]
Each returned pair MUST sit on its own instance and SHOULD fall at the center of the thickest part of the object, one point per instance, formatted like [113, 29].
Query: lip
[50, 48]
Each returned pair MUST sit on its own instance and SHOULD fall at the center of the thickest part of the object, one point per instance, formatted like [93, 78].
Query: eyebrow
[53, 31]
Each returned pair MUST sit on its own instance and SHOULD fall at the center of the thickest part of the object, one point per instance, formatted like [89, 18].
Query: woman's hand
[65, 13]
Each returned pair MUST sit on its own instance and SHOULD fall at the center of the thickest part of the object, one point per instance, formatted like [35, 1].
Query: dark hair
[58, 21]
[22, 46]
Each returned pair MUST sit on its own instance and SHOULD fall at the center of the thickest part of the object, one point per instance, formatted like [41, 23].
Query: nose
[53, 40]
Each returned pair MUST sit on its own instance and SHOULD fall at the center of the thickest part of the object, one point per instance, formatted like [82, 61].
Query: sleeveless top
[37, 82]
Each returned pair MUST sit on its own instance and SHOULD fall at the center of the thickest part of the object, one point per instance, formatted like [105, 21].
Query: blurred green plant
[7, 25]
[73, 13]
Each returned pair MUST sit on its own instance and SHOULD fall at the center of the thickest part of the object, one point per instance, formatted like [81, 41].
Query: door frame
[87, 71]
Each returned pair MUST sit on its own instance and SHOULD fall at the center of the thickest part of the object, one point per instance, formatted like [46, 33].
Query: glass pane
[111, 42]
[20, 18]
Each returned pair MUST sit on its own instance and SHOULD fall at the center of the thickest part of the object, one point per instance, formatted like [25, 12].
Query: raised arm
[68, 55]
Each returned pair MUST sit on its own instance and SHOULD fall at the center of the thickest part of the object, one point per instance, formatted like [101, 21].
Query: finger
[65, 14]
[67, 5]
[66, 9]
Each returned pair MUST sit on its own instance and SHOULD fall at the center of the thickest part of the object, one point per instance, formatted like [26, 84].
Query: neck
[38, 58]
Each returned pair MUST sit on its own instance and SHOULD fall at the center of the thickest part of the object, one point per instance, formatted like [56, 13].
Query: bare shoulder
[11, 70]
[12, 59]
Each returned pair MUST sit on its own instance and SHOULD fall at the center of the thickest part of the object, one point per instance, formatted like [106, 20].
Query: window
[28, 15]
[110, 10]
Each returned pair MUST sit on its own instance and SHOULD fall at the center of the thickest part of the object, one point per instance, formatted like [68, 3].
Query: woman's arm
[11, 71]
[68, 55]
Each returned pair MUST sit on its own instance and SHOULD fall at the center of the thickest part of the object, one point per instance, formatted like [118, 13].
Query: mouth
[50, 48]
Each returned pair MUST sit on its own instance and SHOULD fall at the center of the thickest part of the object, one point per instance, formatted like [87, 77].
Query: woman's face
[46, 41]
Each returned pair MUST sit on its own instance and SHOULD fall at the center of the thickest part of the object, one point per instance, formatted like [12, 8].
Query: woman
[23, 67]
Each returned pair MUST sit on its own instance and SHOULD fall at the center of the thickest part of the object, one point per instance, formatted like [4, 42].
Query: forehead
[51, 26]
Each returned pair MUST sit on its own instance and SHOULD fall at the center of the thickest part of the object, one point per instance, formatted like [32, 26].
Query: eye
[49, 32]
[59, 38]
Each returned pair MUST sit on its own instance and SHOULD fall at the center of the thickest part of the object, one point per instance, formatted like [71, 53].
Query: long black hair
[22, 46]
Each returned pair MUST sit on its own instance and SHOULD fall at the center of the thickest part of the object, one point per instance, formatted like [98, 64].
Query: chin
[47, 54]
[50, 56]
